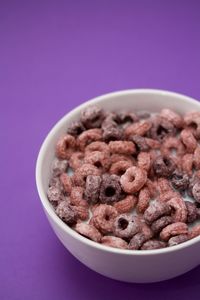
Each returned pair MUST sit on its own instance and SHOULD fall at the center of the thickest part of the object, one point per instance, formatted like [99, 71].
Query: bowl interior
[130, 100]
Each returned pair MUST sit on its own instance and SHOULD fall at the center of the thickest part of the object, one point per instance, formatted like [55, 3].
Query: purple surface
[54, 56]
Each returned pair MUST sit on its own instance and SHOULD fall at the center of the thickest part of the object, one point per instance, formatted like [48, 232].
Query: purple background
[55, 55]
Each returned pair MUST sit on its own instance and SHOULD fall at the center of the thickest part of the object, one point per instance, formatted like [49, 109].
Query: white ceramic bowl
[125, 265]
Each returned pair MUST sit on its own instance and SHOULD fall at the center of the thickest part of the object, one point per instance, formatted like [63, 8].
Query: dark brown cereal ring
[65, 146]
[192, 212]
[59, 166]
[153, 144]
[54, 194]
[88, 231]
[156, 210]
[171, 144]
[92, 116]
[194, 179]
[179, 209]
[140, 128]
[80, 174]
[176, 240]
[126, 226]
[121, 157]
[173, 230]
[92, 188]
[66, 212]
[164, 166]
[153, 244]
[126, 205]
[161, 128]
[161, 223]
[172, 117]
[97, 146]
[127, 118]
[194, 231]
[99, 159]
[196, 191]
[55, 181]
[193, 118]
[110, 190]
[140, 143]
[188, 140]
[103, 218]
[113, 241]
[120, 167]
[133, 179]
[122, 147]
[76, 197]
[112, 132]
[82, 212]
[137, 241]
[141, 237]
[66, 182]
[180, 181]
[76, 160]
[197, 158]
[187, 163]
[144, 161]
[89, 136]
[76, 128]
[143, 200]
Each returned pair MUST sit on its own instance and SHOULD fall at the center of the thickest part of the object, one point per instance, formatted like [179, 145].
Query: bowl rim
[46, 204]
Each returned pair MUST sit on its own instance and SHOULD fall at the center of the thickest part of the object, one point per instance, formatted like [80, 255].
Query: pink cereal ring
[66, 182]
[126, 205]
[172, 144]
[172, 117]
[138, 128]
[165, 197]
[173, 230]
[98, 159]
[122, 147]
[153, 144]
[179, 208]
[76, 160]
[88, 231]
[193, 118]
[65, 146]
[82, 212]
[97, 146]
[89, 136]
[152, 187]
[76, 197]
[133, 179]
[144, 161]
[121, 157]
[188, 140]
[113, 241]
[197, 158]
[187, 163]
[120, 167]
[103, 218]
[143, 200]
[194, 231]
[80, 174]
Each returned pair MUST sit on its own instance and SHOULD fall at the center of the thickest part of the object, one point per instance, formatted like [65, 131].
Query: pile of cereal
[122, 179]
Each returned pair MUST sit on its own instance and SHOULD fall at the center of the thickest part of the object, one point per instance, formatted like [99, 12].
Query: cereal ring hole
[161, 131]
[109, 191]
[123, 223]
[98, 164]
